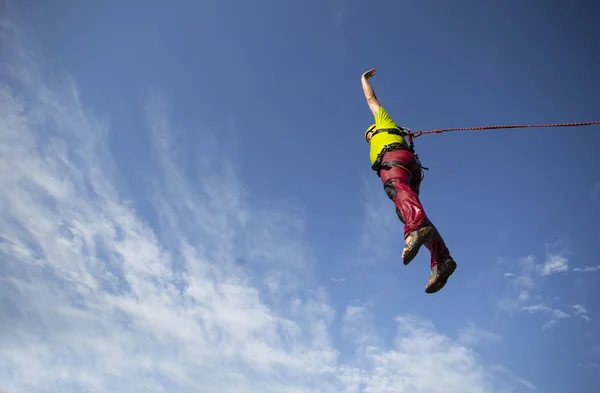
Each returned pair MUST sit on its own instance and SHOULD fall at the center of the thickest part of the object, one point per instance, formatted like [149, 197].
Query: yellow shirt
[379, 141]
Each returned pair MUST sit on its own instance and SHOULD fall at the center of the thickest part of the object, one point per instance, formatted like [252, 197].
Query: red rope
[418, 133]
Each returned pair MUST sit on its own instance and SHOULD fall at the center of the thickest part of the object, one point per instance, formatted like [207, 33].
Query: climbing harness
[402, 132]
[396, 142]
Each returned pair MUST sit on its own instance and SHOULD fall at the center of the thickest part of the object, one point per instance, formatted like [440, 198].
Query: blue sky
[187, 203]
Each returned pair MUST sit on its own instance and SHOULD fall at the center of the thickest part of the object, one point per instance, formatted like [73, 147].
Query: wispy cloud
[104, 295]
[522, 292]
[556, 259]
[555, 314]
[357, 326]
[418, 350]
[543, 308]
[513, 381]
[581, 311]
[520, 284]
[473, 334]
[587, 269]
[381, 228]
[555, 263]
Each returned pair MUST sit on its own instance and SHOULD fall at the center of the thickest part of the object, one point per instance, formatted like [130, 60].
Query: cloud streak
[581, 311]
[520, 284]
[555, 314]
[555, 263]
[587, 269]
[522, 289]
[101, 297]
[473, 334]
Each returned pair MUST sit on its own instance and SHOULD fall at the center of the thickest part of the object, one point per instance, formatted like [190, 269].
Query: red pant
[401, 177]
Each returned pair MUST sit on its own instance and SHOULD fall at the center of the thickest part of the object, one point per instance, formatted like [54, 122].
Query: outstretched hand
[369, 73]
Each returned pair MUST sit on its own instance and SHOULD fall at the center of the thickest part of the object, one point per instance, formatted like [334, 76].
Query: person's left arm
[382, 118]
[372, 100]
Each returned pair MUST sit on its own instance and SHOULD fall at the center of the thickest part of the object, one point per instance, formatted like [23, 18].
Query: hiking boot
[414, 241]
[439, 275]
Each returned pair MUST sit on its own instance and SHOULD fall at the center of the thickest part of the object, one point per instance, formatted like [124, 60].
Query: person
[401, 173]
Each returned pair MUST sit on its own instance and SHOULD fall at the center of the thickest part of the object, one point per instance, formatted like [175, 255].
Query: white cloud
[358, 328]
[581, 311]
[554, 313]
[555, 263]
[543, 308]
[514, 382]
[98, 299]
[549, 324]
[587, 269]
[556, 259]
[418, 351]
[519, 288]
[522, 291]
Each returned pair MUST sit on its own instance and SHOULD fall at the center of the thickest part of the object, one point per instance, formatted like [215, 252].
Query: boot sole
[422, 238]
[443, 278]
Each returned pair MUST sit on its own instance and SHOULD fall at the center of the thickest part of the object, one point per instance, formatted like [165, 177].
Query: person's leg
[442, 265]
[437, 247]
[435, 244]
[397, 177]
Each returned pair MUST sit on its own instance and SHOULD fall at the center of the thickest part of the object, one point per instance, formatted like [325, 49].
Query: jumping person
[401, 173]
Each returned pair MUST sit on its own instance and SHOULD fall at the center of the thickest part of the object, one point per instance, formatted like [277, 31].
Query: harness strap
[395, 131]
[407, 134]
[411, 146]
[377, 165]
[397, 164]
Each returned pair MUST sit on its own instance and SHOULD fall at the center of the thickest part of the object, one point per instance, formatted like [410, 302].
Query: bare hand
[369, 73]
